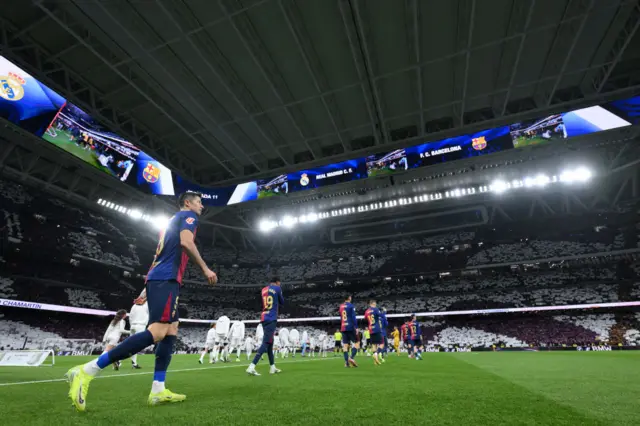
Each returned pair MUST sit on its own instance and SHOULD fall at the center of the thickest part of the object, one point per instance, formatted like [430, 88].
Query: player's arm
[142, 298]
[188, 245]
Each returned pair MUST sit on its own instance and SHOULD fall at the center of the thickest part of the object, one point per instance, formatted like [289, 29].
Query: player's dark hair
[347, 297]
[189, 195]
[275, 280]
[119, 315]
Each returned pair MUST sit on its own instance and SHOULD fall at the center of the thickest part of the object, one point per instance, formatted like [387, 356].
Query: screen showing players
[328, 175]
[387, 163]
[76, 132]
[274, 187]
[578, 122]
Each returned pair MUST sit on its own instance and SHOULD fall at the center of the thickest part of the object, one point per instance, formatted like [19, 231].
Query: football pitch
[508, 388]
[62, 141]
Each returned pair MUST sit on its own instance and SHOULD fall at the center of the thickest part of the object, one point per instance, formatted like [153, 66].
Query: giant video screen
[331, 174]
[558, 127]
[460, 147]
[25, 101]
[78, 133]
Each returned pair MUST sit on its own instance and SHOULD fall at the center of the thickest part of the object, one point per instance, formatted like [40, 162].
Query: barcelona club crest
[11, 87]
[151, 173]
[479, 143]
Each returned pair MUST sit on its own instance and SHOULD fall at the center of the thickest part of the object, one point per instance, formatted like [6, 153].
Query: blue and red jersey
[272, 298]
[414, 330]
[374, 320]
[171, 260]
[404, 331]
[348, 321]
[385, 324]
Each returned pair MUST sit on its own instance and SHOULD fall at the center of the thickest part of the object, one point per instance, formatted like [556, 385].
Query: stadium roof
[233, 90]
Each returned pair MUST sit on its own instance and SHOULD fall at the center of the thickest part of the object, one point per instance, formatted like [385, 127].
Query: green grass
[522, 141]
[62, 141]
[544, 388]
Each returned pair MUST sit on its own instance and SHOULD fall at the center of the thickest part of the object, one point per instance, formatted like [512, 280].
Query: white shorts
[236, 342]
[284, 343]
[137, 328]
[113, 340]
[210, 343]
[221, 340]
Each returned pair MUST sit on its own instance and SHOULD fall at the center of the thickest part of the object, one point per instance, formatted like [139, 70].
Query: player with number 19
[272, 298]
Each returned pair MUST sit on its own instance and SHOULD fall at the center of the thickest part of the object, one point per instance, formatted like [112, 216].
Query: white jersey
[284, 336]
[237, 330]
[294, 337]
[248, 343]
[322, 339]
[222, 326]
[312, 342]
[114, 332]
[211, 336]
[276, 341]
[259, 333]
[139, 315]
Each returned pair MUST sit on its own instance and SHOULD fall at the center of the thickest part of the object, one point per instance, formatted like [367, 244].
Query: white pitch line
[151, 372]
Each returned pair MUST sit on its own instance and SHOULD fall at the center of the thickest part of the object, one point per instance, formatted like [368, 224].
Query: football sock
[163, 359]
[346, 355]
[270, 354]
[354, 352]
[132, 345]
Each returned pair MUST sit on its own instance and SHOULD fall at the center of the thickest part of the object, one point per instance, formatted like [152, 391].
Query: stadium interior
[423, 154]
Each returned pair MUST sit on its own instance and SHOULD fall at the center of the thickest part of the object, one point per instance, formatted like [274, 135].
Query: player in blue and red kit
[348, 328]
[385, 324]
[373, 317]
[415, 336]
[162, 289]
[272, 298]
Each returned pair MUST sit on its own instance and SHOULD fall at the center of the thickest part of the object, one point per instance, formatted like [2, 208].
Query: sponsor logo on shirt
[190, 220]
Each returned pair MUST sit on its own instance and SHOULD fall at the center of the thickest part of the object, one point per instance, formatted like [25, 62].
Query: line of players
[377, 325]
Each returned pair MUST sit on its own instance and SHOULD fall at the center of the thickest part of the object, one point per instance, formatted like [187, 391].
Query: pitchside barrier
[98, 312]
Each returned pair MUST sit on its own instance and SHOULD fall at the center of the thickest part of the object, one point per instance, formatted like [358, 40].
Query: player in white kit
[284, 342]
[305, 341]
[259, 336]
[114, 332]
[222, 338]
[312, 346]
[138, 318]
[237, 338]
[294, 339]
[209, 344]
[322, 340]
[248, 347]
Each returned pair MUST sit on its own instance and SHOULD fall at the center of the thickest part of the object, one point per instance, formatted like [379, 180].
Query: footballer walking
[164, 279]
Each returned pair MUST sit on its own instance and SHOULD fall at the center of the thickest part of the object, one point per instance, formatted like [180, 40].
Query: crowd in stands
[450, 271]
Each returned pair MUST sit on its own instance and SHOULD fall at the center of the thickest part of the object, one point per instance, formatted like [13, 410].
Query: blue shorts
[417, 341]
[269, 328]
[349, 337]
[375, 339]
[162, 299]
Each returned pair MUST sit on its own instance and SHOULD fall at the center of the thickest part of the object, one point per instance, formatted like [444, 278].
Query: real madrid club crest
[151, 173]
[304, 180]
[11, 87]
[479, 143]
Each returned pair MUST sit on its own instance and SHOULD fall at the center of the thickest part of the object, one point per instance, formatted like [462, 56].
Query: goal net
[62, 347]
